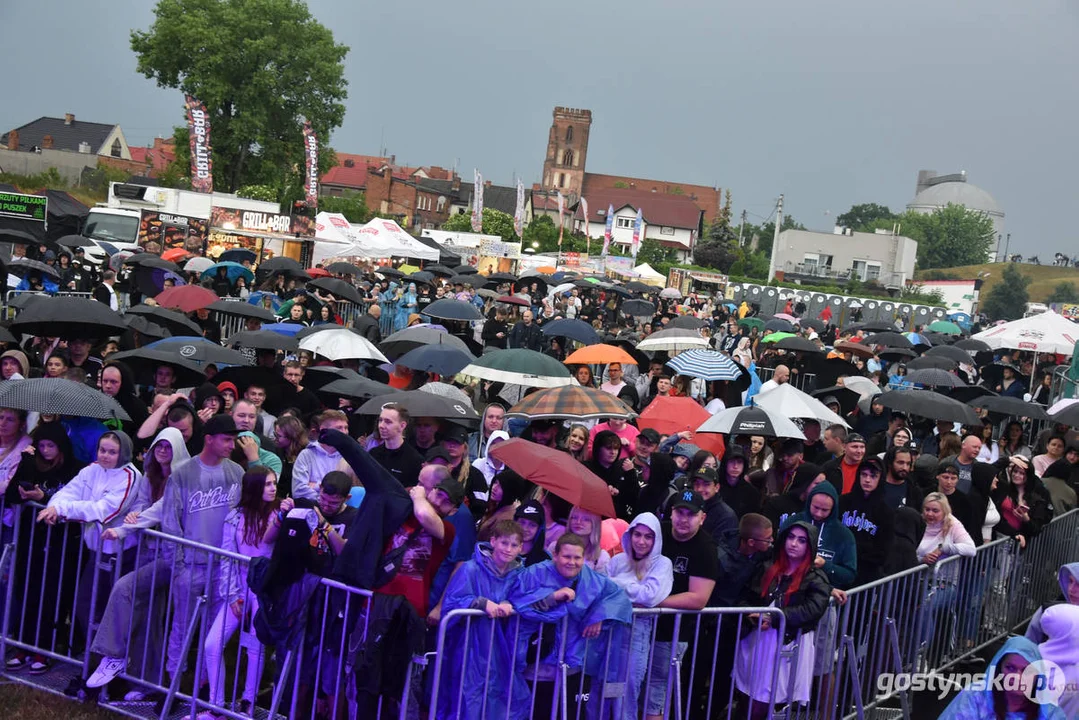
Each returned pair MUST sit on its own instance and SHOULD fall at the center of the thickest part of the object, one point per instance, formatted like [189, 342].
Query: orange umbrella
[545, 269]
[600, 355]
[670, 415]
[175, 254]
[557, 472]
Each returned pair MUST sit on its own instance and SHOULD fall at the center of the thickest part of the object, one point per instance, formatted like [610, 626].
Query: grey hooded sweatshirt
[196, 502]
[1067, 572]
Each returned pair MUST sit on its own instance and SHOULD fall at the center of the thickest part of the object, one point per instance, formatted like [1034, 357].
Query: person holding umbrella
[620, 475]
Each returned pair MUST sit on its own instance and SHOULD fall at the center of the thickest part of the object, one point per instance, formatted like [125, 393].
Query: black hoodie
[780, 507]
[742, 496]
[872, 523]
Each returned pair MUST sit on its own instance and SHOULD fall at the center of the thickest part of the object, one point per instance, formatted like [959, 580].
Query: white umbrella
[673, 339]
[559, 289]
[789, 401]
[861, 385]
[198, 264]
[673, 293]
[341, 345]
[1045, 332]
[751, 421]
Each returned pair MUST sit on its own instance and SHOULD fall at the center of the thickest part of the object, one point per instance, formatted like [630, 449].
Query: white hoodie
[1061, 624]
[487, 464]
[312, 464]
[151, 516]
[656, 582]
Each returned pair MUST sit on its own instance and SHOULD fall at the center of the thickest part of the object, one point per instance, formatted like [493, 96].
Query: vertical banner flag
[519, 214]
[607, 230]
[584, 212]
[561, 212]
[198, 131]
[310, 151]
[477, 204]
[637, 232]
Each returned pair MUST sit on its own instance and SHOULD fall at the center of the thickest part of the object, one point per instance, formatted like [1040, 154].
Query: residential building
[883, 257]
[674, 221]
[68, 134]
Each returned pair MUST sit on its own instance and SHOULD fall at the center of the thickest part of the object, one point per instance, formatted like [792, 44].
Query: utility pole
[1007, 242]
[775, 239]
[741, 228]
[1000, 239]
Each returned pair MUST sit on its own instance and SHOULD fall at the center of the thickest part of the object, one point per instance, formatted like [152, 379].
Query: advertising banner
[26, 207]
[310, 153]
[159, 231]
[198, 131]
[276, 223]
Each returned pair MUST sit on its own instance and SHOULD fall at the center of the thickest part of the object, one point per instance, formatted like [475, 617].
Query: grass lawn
[26, 703]
[1043, 277]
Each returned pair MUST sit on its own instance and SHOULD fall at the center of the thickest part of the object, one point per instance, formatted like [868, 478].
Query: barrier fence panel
[806, 382]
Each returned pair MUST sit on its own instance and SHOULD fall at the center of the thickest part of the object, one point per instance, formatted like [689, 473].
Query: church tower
[567, 148]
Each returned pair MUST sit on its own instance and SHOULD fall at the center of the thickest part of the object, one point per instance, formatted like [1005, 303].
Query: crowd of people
[420, 511]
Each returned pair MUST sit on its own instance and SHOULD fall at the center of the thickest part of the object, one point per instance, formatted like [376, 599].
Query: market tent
[333, 235]
[648, 275]
[1045, 332]
[385, 238]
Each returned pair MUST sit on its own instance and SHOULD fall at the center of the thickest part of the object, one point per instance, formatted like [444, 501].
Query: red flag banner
[310, 151]
[198, 131]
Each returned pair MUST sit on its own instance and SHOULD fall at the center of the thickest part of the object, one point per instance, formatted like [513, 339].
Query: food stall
[266, 234]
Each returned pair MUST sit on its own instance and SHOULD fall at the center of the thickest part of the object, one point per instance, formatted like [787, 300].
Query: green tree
[1064, 292]
[495, 222]
[766, 233]
[948, 237]
[352, 206]
[1007, 299]
[261, 67]
[862, 217]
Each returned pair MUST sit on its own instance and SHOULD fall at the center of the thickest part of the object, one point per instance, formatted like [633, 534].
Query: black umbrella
[59, 396]
[175, 322]
[68, 317]
[357, 388]
[878, 326]
[777, 325]
[639, 287]
[441, 359]
[145, 362]
[339, 289]
[403, 341]
[473, 280]
[929, 404]
[638, 308]
[281, 264]
[6, 336]
[619, 290]
[798, 344]
[500, 277]
[829, 370]
[343, 268]
[421, 404]
[201, 351]
[447, 309]
[895, 354]
[22, 298]
[1009, 406]
[814, 323]
[688, 322]
[931, 362]
[993, 373]
[422, 276]
[466, 270]
[1067, 416]
[389, 272]
[144, 326]
[23, 266]
[18, 237]
[939, 338]
[951, 352]
[440, 270]
[970, 393]
[263, 340]
[573, 329]
[972, 345]
[242, 309]
[74, 241]
[316, 377]
[934, 377]
[152, 261]
[847, 398]
[890, 339]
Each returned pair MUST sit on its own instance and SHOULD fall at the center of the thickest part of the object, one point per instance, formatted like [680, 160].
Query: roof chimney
[46, 142]
[68, 118]
[13, 140]
[84, 148]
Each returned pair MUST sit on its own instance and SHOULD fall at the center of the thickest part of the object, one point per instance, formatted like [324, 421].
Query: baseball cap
[454, 490]
[220, 425]
[913, 446]
[455, 433]
[650, 435]
[531, 510]
[437, 453]
[690, 500]
[855, 438]
[706, 473]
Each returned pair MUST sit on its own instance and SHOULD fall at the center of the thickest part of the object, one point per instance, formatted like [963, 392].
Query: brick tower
[567, 148]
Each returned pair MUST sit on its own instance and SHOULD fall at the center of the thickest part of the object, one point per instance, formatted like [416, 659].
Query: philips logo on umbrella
[746, 426]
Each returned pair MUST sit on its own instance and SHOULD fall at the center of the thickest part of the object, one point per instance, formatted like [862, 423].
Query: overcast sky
[831, 103]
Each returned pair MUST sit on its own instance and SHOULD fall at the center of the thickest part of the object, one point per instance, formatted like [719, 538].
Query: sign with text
[27, 207]
[160, 231]
[275, 223]
[496, 248]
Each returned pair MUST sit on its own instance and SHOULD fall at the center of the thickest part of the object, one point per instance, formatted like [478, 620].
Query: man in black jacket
[656, 471]
[367, 324]
[526, 334]
[899, 488]
[870, 520]
[720, 522]
[735, 490]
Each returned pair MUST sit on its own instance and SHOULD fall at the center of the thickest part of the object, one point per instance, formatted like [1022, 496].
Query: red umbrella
[319, 272]
[175, 254]
[513, 300]
[557, 472]
[187, 298]
[670, 415]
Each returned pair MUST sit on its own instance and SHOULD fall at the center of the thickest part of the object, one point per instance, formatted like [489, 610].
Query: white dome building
[936, 191]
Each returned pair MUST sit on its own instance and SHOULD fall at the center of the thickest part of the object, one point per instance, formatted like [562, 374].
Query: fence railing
[805, 382]
[169, 609]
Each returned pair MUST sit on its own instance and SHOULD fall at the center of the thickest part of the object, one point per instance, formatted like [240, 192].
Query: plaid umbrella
[557, 472]
[705, 364]
[59, 396]
[520, 367]
[572, 402]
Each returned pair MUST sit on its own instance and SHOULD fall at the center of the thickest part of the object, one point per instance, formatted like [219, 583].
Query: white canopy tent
[333, 234]
[648, 274]
[379, 238]
[1046, 332]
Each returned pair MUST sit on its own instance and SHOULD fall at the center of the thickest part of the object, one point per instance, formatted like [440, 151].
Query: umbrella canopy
[752, 322]
[671, 293]
[281, 264]
[687, 322]
[600, 355]
[861, 385]
[498, 277]
[775, 337]
[778, 325]
[200, 350]
[520, 367]
[639, 287]
[149, 260]
[198, 264]
[263, 340]
[673, 339]
[6, 336]
[1045, 332]
[23, 266]
[670, 415]
[946, 327]
[972, 345]
[829, 370]
[934, 377]
[895, 354]
[144, 362]
[439, 270]
[318, 376]
[343, 268]
[59, 396]
[571, 402]
[798, 344]
[789, 401]
[970, 393]
[176, 323]
[74, 241]
[705, 364]
[450, 392]
[1068, 415]
[513, 300]
[242, 309]
[146, 327]
[574, 329]
[341, 344]
[1010, 406]
[846, 397]
[237, 255]
[918, 339]
[338, 288]
[187, 298]
[355, 388]
[558, 473]
[387, 271]
[639, 308]
[68, 317]
[421, 404]
[891, 339]
[422, 276]
[853, 348]
[18, 237]
[151, 280]
[447, 309]
[929, 404]
[402, 341]
[751, 421]
[466, 270]
[233, 270]
[441, 359]
[951, 352]
[930, 362]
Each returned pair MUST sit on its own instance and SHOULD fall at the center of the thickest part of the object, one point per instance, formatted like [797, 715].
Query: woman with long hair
[166, 451]
[251, 530]
[290, 437]
[800, 590]
[587, 524]
[1009, 697]
[1011, 440]
[1024, 503]
[620, 475]
[990, 451]
[577, 442]
[13, 441]
[944, 537]
[584, 376]
[758, 455]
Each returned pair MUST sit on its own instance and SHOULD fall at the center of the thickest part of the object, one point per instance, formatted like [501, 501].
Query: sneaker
[74, 687]
[16, 661]
[39, 665]
[137, 696]
[106, 672]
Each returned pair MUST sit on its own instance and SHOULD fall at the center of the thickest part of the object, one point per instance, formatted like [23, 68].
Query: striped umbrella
[572, 402]
[58, 396]
[706, 365]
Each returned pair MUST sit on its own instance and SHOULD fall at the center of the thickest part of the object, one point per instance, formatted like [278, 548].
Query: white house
[836, 257]
[672, 220]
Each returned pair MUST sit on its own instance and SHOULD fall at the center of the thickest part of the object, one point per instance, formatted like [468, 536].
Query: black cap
[454, 490]
[455, 433]
[220, 425]
[650, 435]
[855, 438]
[688, 499]
[947, 466]
[792, 446]
[531, 510]
[437, 453]
[706, 473]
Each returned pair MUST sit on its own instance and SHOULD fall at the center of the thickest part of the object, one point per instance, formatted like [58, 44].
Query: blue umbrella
[577, 330]
[442, 359]
[235, 270]
[706, 365]
[289, 329]
[237, 255]
[918, 339]
[262, 298]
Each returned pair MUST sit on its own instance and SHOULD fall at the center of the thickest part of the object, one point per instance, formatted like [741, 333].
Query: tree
[261, 67]
[766, 233]
[1064, 292]
[948, 237]
[495, 222]
[862, 217]
[1007, 300]
[718, 255]
[352, 206]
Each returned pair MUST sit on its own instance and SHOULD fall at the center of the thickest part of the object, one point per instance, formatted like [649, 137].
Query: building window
[441, 203]
[117, 150]
[666, 230]
[624, 222]
[423, 202]
[561, 180]
[567, 158]
[569, 133]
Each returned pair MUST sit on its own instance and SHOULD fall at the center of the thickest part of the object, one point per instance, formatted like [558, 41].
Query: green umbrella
[945, 326]
[777, 336]
[752, 322]
[520, 367]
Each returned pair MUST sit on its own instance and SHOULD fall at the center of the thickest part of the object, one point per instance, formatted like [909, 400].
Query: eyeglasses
[767, 542]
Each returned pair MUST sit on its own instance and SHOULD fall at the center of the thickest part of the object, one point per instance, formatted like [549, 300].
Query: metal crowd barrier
[806, 382]
[230, 324]
[157, 604]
